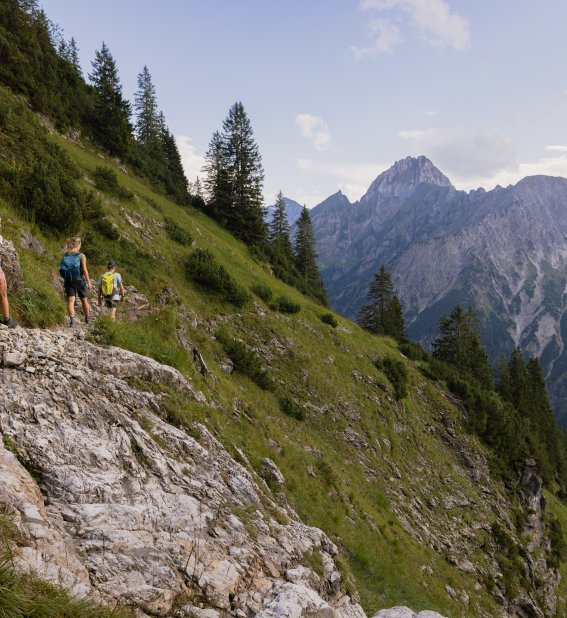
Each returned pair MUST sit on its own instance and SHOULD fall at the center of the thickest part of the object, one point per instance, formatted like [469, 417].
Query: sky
[338, 90]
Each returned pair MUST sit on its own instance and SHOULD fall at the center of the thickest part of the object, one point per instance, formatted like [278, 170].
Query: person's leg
[113, 313]
[86, 308]
[4, 306]
[71, 306]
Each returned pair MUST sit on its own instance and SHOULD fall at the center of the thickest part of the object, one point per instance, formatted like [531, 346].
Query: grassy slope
[334, 484]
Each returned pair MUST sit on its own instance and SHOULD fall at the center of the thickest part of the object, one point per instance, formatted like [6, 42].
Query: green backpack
[107, 284]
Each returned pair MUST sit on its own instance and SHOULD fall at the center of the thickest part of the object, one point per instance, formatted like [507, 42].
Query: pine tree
[244, 213]
[235, 177]
[383, 315]
[279, 230]
[459, 345]
[306, 259]
[111, 123]
[217, 181]
[145, 106]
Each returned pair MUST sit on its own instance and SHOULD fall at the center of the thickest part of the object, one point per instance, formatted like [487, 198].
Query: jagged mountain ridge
[501, 251]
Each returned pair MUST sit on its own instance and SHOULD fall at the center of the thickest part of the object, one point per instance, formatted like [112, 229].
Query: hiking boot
[72, 321]
[87, 319]
[10, 322]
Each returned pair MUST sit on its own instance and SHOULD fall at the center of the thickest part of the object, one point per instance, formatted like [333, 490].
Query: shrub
[106, 180]
[329, 318]
[262, 291]
[202, 268]
[289, 407]
[246, 361]
[396, 372]
[106, 228]
[285, 305]
[177, 233]
[413, 351]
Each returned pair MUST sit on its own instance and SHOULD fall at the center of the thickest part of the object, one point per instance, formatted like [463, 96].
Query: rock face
[127, 507]
[502, 251]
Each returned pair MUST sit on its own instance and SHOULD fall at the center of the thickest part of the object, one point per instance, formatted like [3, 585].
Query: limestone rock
[135, 510]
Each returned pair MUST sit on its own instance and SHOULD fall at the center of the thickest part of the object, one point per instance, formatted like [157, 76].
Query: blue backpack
[70, 268]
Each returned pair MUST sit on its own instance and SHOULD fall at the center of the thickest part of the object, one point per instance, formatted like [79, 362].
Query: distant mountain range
[504, 252]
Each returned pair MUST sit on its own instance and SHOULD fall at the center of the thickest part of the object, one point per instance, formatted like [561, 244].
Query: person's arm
[86, 272]
[99, 288]
[121, 288]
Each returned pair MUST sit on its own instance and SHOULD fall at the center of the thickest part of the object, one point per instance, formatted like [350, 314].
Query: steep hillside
[414, 504]
[502, 252]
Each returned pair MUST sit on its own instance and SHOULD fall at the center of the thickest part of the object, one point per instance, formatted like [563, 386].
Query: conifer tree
[383, 315]
[306, 259]
[145, 106]
[111, 123]
[279, 230]
[459, 345]
[217, 181]
[235, 177]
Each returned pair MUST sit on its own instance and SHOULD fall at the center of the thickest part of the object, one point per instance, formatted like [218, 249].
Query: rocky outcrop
[112, 501]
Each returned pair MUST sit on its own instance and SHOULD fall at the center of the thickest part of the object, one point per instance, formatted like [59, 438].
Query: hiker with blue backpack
[111, 288]
[73, 269]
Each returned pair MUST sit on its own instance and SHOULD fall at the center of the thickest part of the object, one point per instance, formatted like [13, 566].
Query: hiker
[73, 269]
[4, 306]
[111, 288]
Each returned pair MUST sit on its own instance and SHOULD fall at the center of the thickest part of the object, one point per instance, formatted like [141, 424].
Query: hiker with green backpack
[76, 280]
[111, 288]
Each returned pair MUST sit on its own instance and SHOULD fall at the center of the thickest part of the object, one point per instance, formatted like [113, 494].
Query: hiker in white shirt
[111, 289]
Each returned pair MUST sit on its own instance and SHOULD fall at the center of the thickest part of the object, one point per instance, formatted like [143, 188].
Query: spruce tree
[217, 180]
[145, 106]
[279, 231]
[111, 122]
[235, 177]
[306, 259]
[383, 315]
[244, 212]
[459, 345]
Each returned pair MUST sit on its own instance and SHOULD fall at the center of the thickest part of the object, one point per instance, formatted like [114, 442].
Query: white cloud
[557, 148]
[432, 19]
[353, 179]
[546, 166]
[462, 152]
[192, 162]
[386, 36]
[315, 130]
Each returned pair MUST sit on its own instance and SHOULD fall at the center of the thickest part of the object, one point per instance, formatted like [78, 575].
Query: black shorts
[111, 303]
[76, 288]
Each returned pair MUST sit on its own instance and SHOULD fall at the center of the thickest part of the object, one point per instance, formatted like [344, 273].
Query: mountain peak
[405, 176]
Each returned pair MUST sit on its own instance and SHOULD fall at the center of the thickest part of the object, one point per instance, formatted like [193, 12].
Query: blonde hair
[72, 244]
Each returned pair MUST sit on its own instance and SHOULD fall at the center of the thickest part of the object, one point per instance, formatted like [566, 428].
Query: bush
[396, 372]
[106, 228]
[262, 291]
[413, 351]
[106, 180]
[329, 318]
[289, 407]
[202, 268]
[246, 361]
[177, 233]
[285, 305]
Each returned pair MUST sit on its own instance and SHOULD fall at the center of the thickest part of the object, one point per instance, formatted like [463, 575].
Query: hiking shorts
[111, 303]
[2, 278]
[76, 288]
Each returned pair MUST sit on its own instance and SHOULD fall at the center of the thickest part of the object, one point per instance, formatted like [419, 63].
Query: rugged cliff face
[111, 499]
[503, 252]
